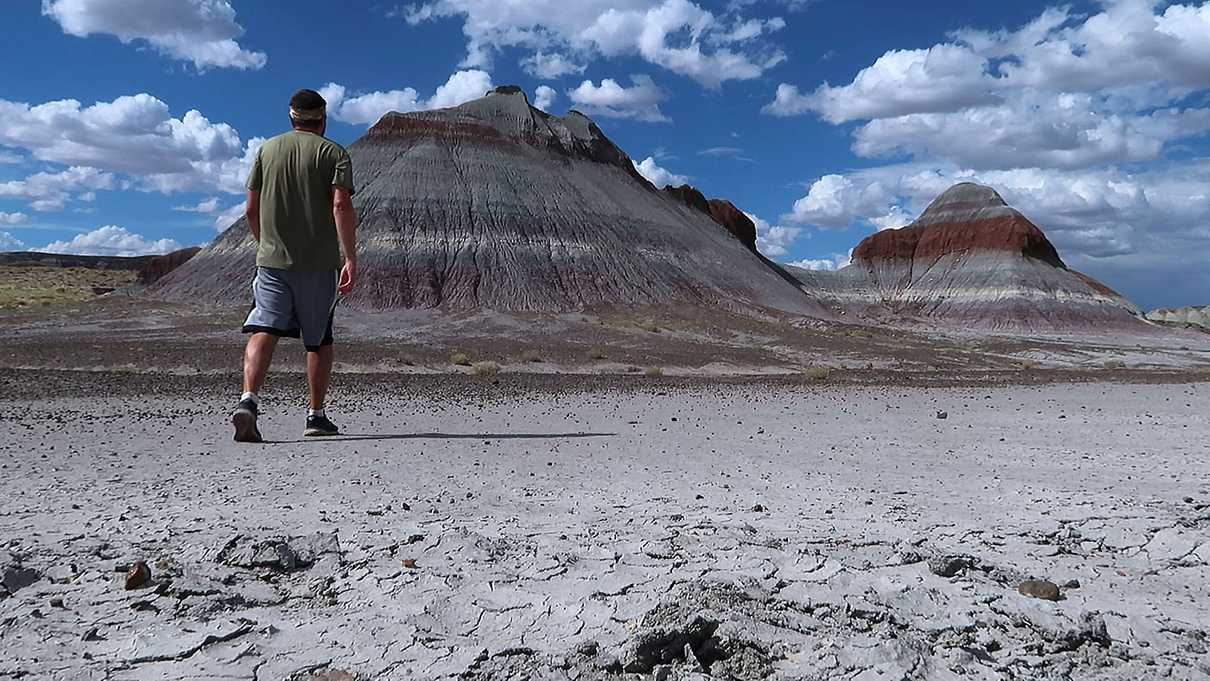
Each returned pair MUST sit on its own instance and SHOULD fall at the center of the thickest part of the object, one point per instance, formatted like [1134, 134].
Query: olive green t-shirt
[294, 174]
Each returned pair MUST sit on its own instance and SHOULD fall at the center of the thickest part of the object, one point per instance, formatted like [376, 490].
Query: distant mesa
[969, 259]
[497, 205]
[1194, 315]
[150, 268]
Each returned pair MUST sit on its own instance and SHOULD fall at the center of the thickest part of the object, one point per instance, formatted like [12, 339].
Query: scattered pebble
[138, 575]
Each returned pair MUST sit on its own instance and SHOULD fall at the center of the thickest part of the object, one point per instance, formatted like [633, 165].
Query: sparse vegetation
[460, 359]
[818, 373]
[1030, 364]
[1114, 364]
[24, 287]
[648, 326]
[486, 369]
[531, 355]
[597, 353]
[655, 372]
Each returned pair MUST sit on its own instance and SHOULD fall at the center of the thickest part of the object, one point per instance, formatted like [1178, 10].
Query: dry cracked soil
[607, 528]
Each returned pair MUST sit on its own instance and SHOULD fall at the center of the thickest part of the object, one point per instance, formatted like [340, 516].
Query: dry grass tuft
[1114, 364]
[818, 373]
[460, 359]
[532, 356]
[655, 372]
[649, 326]
[485, 368]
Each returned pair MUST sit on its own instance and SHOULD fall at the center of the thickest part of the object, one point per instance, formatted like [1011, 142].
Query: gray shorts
[286, 303]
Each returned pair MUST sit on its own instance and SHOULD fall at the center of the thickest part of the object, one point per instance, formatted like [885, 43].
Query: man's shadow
[443, 436]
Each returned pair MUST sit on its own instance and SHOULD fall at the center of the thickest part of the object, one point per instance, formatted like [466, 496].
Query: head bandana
[307, 115]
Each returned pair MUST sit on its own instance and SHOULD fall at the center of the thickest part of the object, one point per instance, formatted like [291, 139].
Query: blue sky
[126, 125]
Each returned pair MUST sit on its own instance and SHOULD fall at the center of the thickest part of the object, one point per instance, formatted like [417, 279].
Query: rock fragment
[137, 575]
[950, 565]
[1040, 588]
[277, 553]
[14, 575]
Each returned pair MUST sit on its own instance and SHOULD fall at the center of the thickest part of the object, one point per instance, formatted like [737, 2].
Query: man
[301, 215]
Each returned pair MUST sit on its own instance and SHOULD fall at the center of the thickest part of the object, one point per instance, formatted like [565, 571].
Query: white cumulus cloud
[1063, 91]
[225, 218]
[677, 35]
[830, 263]
[112, 240]
[8, 242]
[658, 176]
[51, 191]
[640, 101]
[544, 97]
[135, 135]
[12, 218]
[202, 32]
[204, 206]
[837, 201]
[773, 241]
[367, 108]
[550, 66]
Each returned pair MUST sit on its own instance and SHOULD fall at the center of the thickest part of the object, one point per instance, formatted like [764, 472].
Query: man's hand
[348, 277]
[346, 232]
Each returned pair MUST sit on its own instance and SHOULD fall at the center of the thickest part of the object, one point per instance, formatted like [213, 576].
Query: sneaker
[244, 420]
[320, 426]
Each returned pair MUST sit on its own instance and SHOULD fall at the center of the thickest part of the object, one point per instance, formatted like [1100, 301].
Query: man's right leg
[257, 356]
[272, 315]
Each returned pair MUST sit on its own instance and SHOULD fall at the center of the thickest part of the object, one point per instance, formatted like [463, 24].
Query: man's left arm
[252, 212]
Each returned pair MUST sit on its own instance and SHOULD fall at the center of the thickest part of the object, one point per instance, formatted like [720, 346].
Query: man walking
[301, 215]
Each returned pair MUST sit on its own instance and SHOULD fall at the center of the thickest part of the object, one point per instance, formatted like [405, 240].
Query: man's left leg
[319, 375]
[317, 317]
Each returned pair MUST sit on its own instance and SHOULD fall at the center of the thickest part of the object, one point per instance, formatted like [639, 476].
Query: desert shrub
[460, 359]
[485, 368]
[1114, 364]
[649, 326]
[531, 356]
[1030, 364]
[818, 373]
[655, 372]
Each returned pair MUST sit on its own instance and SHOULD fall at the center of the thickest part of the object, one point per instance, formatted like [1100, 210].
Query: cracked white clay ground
[652, 531]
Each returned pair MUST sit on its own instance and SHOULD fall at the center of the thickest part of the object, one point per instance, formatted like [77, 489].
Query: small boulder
[1040, 588]
[137, 575]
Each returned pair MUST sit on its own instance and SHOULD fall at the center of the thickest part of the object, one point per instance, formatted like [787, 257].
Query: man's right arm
[346, 231]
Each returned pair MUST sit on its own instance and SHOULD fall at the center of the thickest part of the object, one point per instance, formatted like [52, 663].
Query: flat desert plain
[594, 527]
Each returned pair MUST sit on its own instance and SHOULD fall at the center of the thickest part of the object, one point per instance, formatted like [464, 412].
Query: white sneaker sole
[316, 432]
